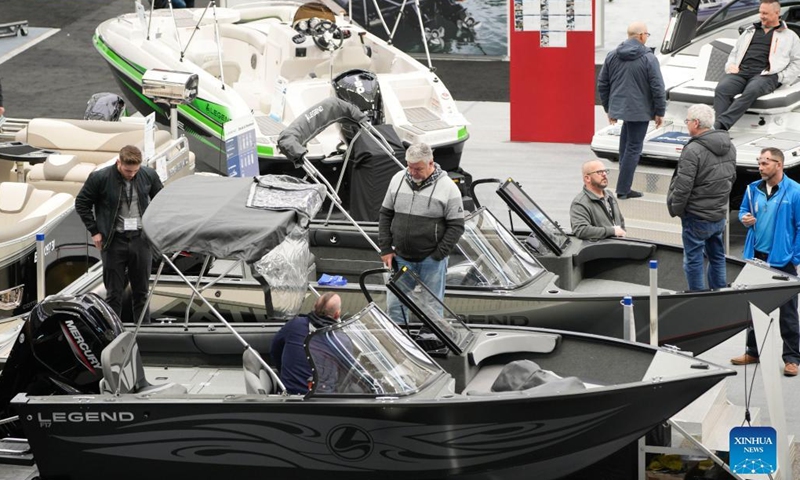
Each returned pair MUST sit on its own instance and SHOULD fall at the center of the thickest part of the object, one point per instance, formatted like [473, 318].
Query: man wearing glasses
[594, 213]
[771, 212]
[766, 55]
[699, 194]
[632, 90]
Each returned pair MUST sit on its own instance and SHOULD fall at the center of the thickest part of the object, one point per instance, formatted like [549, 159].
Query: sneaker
[790, 370]
[744, 360]
[631, 194]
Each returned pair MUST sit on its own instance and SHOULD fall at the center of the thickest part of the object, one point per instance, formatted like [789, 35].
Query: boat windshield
[490, 256]
[733, 11]
[368, 355]
[430, 310]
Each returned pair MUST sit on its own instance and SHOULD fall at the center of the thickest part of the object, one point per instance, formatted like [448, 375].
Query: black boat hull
[433, 434]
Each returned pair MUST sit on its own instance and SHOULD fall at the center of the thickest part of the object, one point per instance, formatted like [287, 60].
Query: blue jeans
[790, 326]
[631, 141]
[701, 236]
[431, 272]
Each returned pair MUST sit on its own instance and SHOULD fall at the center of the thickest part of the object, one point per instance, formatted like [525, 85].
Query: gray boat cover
[293, 139]
[208, 215]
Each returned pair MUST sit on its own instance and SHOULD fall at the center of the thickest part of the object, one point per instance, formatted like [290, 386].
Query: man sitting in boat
[766, 56]
[594, 213]
[288, 347]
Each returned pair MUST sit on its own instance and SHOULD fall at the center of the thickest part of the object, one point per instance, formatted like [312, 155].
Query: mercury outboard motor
[360, 88]
[58, 349]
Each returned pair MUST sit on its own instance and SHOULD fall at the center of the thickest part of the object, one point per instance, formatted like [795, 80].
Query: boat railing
[10, 127]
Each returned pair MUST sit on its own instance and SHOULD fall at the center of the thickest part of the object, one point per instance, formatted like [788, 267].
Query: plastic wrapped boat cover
[286, 270]
[208, 215]
[293, 139]
[282, 192]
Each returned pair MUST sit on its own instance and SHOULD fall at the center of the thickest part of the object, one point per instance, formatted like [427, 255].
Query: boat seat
[711, 69]
[60, 173]
[229, 68]
[92, 141]
[350, 57]
[256, 379]
[123, 368]
[613, 249]
[25, 209]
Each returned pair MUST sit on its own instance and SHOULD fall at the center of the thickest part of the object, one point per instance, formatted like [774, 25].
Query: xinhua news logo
[753, 450]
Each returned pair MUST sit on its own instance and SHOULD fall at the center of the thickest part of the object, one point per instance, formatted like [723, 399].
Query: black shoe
[631, 194]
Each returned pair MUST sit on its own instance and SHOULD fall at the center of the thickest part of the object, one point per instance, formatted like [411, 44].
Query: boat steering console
[325, 33]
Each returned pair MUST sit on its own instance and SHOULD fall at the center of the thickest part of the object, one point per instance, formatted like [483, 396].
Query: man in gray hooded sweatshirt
[699, 193]
[632, 90]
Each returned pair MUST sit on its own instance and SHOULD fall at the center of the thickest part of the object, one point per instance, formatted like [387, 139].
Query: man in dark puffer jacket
[699, 193]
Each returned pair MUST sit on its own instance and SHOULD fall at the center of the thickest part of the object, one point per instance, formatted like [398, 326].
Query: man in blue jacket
[771, 212]
[632, 90]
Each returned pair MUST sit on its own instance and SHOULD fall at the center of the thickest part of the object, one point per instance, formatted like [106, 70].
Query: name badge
[131, 224]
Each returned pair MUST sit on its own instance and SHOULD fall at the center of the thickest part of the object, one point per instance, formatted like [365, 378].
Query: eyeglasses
[645, 33]
[686, 121]
[600, 172]
[765, 161]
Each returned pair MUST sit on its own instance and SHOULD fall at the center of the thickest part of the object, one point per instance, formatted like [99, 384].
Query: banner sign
[240, 147]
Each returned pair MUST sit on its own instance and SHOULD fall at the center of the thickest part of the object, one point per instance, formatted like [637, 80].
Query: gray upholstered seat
[257, 380]
[122, 366]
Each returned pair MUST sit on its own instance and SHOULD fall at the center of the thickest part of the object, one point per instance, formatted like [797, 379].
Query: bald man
[632, 90]
[594, 213]
[288, 346]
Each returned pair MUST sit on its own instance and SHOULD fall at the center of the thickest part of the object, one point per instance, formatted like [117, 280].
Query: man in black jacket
[699, 194]
[111, 204]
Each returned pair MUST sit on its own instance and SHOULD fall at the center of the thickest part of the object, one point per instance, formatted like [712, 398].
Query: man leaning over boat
[594, 213]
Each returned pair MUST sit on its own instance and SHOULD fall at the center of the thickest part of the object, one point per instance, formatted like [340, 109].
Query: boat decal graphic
[132, 70]
[219, 113]
[289, 440]
[47, 420]
[81, 349]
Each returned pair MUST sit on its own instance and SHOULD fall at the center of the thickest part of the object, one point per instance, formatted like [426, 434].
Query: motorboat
[692, 62]
[269, 63]
[485, 402]
[494, 278]
[47, 162]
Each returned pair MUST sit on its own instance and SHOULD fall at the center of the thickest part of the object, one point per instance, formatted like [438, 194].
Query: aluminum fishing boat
[486, 402]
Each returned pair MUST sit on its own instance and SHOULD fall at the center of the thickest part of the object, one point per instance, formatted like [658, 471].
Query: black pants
[728, 109]
[128, 257]
[788, 320]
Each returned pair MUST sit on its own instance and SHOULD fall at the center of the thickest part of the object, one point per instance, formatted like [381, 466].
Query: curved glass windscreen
[437, 315]
[368, 354]
[490, 256]
[734, 10]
